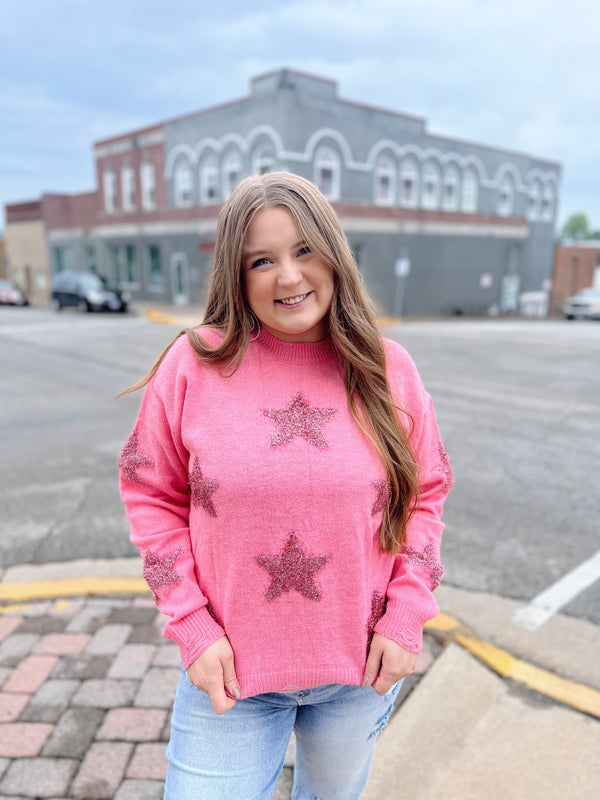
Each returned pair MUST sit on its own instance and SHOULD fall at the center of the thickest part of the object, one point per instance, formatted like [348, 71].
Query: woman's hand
[214, 673]
[386, 664]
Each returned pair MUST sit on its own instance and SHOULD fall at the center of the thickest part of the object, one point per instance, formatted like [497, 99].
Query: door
[180, 283]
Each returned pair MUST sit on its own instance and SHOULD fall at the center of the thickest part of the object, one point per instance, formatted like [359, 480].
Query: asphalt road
[517, 403]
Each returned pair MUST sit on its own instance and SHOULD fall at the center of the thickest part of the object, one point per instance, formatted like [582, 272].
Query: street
[516, 400]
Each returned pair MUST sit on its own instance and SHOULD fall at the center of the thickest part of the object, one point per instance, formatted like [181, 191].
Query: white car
[584, 305]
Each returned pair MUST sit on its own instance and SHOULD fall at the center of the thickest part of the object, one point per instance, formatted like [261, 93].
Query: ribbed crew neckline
[296, 352]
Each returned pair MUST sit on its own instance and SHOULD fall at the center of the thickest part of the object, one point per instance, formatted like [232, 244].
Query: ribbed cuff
[194, 634]
[403, 625]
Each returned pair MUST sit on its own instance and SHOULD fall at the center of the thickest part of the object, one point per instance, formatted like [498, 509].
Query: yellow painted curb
[158, 316]
[69, 587]
[583, 698]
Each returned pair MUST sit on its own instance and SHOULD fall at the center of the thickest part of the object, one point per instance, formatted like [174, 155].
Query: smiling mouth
[293, 301]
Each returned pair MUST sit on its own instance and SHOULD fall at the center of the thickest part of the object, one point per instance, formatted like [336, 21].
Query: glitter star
[131, 459]
[383, 495]
[202, 489]
[159, 571]
[378, 604]
[445, 468]
[299, 419]
[292, 569]
[427, 559]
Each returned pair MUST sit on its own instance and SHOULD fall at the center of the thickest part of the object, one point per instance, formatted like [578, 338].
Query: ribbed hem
[296, 352]
[194, 634]
[403, 625]
[296, 680]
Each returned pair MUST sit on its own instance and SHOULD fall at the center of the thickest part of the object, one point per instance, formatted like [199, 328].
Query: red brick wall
[574, 267]
[133, 158]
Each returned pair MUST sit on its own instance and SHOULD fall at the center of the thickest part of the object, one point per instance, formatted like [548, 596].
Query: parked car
[584, 305]
[87, 292]
[11, 294]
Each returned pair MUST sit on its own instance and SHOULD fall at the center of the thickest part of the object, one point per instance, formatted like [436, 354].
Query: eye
[260, 262]
[304, 250]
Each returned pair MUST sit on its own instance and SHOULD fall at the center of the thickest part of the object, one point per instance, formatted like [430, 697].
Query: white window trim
[128, 188]
[232, 165]
[451, 179]
[327, 158]
[148, 184]
[183, 167]
[109, 184]
[469, 195]
[548, 200]
[385, 168]
[506, 198]
[209, 176]
[430, 203]
[409, 170]
[263, 157]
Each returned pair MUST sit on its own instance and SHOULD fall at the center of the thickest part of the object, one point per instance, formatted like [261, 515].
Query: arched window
[183, 183]
[506, 197]
[263, 160]
[534, 200]
[385, 182]
[232, 172]
[469, 193]
[209, 180]
[327, 172]
[409, 184]
[450, 189]
[430, 190]
[548, 203]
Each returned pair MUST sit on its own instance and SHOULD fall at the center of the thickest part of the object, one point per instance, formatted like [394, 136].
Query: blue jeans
[239, 755]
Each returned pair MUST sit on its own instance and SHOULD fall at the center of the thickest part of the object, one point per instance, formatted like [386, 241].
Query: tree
[576, 227]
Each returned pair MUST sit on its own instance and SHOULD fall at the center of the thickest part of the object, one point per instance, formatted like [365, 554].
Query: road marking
[555, 597]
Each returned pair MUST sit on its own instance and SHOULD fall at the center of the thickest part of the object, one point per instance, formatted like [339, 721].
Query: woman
[284, 483]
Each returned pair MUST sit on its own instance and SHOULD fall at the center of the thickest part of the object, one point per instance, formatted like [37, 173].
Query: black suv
[86, 291]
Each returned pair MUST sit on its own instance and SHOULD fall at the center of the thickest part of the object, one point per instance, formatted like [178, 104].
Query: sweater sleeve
[417, 570]
[155, 489]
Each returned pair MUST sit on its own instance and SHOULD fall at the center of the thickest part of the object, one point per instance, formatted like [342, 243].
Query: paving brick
[39, 777]
[82, 667]
[17, 647]
[30, 673]
[74, 732]
[145, 634]
[49, 702]
[42, 624]
[106, 693]
[140, 790]
[63, 644]
[165, 734]
[4, 673]
[23, 739]
[149, 762]
[67, 608]
[157, 689]
[9, 625]
[4, 762]
[91, 617]
[132, 661]
[167, 655]
[131, 615]
[11, 706]
[133, 724]
[101, 771]
[108, 639]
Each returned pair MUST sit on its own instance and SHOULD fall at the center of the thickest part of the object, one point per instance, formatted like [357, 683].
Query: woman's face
[288, 288]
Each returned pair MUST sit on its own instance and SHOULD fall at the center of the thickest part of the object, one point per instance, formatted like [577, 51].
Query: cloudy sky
[518, 74]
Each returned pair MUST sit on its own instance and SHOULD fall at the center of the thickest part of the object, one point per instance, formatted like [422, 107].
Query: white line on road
[555, 597]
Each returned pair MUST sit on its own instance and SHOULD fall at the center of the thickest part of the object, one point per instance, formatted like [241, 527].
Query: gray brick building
[438, 225]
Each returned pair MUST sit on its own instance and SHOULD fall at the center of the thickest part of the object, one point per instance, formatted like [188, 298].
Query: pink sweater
[256, 503]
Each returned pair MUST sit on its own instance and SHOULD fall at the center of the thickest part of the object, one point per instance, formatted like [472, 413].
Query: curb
[578, 696]
[444, 627]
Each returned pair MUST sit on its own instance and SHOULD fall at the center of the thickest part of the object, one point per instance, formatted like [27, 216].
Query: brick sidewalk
[85, 698]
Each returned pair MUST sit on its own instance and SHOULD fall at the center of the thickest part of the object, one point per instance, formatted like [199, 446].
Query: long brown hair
[352, 327]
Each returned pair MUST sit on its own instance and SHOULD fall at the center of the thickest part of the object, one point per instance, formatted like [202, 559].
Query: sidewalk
[87, 682]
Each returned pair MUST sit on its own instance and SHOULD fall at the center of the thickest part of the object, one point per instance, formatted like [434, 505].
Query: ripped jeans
[239, 755]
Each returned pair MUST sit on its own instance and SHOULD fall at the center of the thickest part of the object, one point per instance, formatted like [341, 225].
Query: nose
[289, 273]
